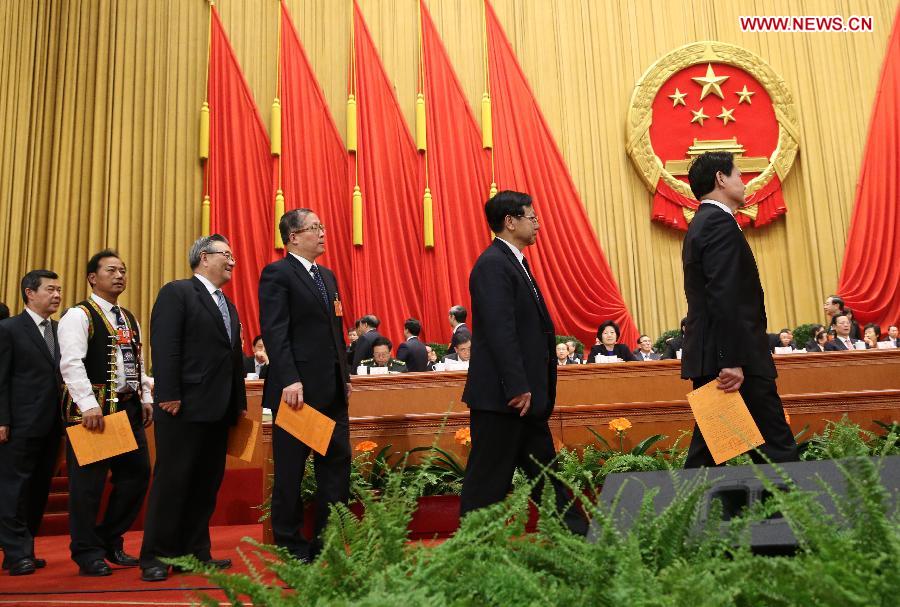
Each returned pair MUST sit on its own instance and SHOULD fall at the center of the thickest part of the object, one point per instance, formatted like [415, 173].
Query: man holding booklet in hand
[725, 334]
[300, 315]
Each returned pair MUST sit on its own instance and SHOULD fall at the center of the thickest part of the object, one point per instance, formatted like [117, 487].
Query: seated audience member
[432, 358]
[645, 349]
[842, 341]
[673, 345]
[855, 331]
[364, 347]
[894, 336]
[4, 311]
[352, 336]
[608, 334]
[818, 341]
[872, 335]
[573, 354]
[412, 351]
[785, 340]
[463, 351]
[381, 357]
[259, 362]
[562, 355]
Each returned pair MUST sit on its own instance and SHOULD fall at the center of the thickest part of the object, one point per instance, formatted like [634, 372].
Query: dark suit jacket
[250, 367]
[461, 335]
[812, 346]
[638, 357]
[726, 319]
[364, 348]
[413, 353]
[30, 383]
[672, 347]
[513, 346]
[304, 338]
[836, 345]
[620, 350]
[193, 360]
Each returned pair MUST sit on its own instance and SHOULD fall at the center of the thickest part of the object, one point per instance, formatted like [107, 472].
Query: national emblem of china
[712, 96]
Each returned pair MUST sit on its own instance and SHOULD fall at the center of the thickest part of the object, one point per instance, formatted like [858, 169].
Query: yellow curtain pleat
[99, 137]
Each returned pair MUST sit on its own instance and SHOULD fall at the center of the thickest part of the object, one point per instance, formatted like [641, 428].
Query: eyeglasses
[532, 218]
[228, 256]
[316, 227]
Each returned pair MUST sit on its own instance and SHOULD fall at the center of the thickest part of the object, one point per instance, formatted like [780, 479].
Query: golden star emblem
[678, 98]
[726, 115]
[744, 95]
[699, 116]
[711, 83]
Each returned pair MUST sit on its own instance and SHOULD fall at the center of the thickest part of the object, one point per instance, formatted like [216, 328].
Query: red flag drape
[238, 176]
[313, 158]
[869, 283]
[387, 268]
[458, 170]
[574, 274]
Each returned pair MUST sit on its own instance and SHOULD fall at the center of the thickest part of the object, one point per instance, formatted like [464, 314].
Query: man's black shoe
[40, 563]
[122, 558]
[24, 566]
[97, 568]
[155, 574]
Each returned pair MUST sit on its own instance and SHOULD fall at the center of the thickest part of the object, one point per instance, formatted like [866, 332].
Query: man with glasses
[86, 333]
[300, 314]
[511, 385]
[198, 366]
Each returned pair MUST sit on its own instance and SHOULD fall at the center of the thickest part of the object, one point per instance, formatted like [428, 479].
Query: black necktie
[320, 284]
[531, 278]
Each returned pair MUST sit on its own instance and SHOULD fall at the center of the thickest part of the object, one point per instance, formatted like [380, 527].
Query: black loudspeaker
[738, 488]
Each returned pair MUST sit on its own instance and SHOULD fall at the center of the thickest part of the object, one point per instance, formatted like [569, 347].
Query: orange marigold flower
[463, 436]
[366, 446]
[620, 424]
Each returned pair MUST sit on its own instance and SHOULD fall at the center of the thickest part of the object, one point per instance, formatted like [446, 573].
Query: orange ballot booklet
[116, 438]
[725, 421]
[242, 439]
[306, 425]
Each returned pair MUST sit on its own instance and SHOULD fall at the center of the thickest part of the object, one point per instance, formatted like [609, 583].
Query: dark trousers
[26, 468]
[130, 474]
[760, 394]
[500, 443]
[332, 472]
[190, 464]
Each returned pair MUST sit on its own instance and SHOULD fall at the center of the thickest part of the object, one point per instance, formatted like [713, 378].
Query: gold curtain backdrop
[99, 103]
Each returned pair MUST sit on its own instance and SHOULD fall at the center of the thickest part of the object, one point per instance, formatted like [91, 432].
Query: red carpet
[60, 584]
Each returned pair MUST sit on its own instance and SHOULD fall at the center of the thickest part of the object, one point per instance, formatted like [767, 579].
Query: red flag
[869, 281]
[579, 285]
[238, 176]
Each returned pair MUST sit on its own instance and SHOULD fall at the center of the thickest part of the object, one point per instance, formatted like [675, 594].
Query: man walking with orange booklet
[725, 333]
[300, 314]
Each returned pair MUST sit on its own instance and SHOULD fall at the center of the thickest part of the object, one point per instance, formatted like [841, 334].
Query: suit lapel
[35, 334]
[307, 280]
[206, 300]
[536, 294]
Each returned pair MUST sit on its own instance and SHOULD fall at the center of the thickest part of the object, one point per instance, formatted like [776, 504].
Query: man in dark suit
[842, 341]
[511, 384]
[199, 394]
[364, 349]
[300, 314]
[30, 427]
[412, 351]
[4, 311]
[894, 335]
[258, 363]
[725, 336]
[457, 317]
[674, 344]
[645, 349]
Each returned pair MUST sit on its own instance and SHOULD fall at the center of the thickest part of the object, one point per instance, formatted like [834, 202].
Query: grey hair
[291, 222]
[203, 245]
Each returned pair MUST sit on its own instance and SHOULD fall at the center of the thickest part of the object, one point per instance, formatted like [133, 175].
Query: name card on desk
[456, 365]
[886, 345]
[601, 358]
[783, 349]
[378, 370]
[859, 345]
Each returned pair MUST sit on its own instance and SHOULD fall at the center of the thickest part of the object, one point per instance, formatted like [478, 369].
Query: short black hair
[354, 328]
[256, 339]
[291, 222]
[381, 340]
[785, 331]
[683, 324]
[838, 300]
[371, 320]
[874, 327]
[4, 311]
[502, 204]
[32, 280]
[413, 326]
[702, 173]
[836, 316]
[459, 313]
[608, 323]
[93, 263]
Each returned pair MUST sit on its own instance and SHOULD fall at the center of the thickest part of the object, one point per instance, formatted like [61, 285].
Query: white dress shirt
[306, 264]
[519, 257]
[73, 345]
[37, 318]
